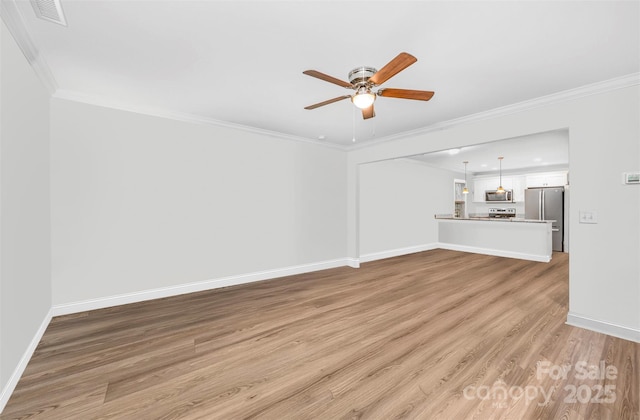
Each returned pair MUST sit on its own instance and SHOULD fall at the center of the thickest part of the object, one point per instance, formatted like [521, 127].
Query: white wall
[25, 249]
[604, 263]
[604, 131]
[142, 203]
[398, 199]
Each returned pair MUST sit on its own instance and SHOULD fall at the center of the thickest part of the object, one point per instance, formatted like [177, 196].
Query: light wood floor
[433, 335]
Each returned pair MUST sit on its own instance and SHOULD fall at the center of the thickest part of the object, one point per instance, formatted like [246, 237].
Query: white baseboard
[126, 298]
[397, 252]
[603, 327]
[353, 262]
[6, 392]
[494, 252]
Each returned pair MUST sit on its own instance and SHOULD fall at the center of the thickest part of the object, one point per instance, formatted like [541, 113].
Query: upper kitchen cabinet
[480, 185]
[458, 188]
[547, 179]
[519, 185]
[459, 198]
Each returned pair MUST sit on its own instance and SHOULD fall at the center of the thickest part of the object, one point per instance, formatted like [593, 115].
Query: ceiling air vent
[50, 10]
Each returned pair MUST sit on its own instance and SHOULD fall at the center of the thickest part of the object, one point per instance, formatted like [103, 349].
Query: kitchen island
[508, 237]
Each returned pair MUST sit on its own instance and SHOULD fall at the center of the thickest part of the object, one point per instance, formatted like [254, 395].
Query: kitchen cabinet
[459, 198]
[518, 186]
[458, 186]
[480, 185]
[517, 183]
[548, 179]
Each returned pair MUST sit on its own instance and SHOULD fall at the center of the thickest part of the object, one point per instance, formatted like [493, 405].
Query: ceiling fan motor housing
[361, 75]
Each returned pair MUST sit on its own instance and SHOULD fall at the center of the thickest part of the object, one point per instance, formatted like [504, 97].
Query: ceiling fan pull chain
[353, 122]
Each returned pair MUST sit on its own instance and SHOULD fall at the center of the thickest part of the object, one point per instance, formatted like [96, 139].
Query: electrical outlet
[588, 216]
[631, 178]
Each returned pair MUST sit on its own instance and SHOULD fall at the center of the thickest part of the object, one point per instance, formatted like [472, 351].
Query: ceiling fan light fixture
[363, 99]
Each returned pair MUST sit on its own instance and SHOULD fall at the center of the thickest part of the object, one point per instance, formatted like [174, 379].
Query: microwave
[491, 196]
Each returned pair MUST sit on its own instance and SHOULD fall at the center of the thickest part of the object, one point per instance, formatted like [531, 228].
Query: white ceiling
[242, 62]
[535, 152]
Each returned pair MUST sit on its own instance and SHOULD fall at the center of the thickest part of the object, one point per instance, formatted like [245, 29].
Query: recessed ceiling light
[495, 168]
[321, 137]
[537, 160]
[484, 165]
[454, 151]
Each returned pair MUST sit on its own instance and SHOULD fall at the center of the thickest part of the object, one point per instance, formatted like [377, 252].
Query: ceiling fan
[364, 79]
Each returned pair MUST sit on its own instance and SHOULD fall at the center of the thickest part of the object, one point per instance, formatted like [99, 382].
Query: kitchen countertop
[491, 219]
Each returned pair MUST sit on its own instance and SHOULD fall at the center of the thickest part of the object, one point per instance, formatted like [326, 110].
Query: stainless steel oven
[502, 213]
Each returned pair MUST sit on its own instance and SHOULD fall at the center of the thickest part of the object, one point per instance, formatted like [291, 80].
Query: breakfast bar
[508, 237]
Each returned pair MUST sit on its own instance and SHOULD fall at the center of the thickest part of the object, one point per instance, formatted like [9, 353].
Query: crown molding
[587, 90]
[182, 116]
[566, 95]
[15, 23]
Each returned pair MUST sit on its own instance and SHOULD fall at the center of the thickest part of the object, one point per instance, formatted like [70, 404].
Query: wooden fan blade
[419, 95]
[393, 67]
[327, 78]
[368, 113]
[327, 102]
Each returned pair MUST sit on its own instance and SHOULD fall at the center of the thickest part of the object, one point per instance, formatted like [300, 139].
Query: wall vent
[50, 10]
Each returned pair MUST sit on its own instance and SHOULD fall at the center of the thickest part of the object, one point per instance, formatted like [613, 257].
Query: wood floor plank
[423, 336]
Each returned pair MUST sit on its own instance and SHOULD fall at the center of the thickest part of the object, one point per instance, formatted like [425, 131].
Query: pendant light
[500, 189]
[465, 190]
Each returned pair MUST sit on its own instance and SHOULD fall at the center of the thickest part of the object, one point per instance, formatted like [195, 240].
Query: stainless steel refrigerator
[547, 204]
